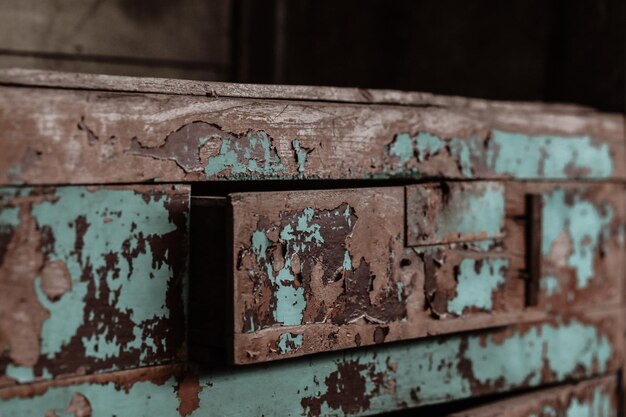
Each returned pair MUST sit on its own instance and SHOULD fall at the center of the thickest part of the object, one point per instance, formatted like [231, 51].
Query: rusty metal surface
[91, 279]
[111, 137]
[454, 212]
[358, 382]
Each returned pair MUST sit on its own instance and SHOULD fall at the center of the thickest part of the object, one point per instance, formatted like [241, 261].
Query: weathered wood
[91, 279]
[101, 82]
[316, 271]
[355, 383]
[582, 248]
[94, 137]
[454, 212]
[593, 398]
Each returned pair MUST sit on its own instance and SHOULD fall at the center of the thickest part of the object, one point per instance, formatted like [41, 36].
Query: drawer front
[316, 271]
[579, 242]
[360, 382]
[91, 279]
[594, 398]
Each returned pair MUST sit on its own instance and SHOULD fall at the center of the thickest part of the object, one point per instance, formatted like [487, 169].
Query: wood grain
[55, 136]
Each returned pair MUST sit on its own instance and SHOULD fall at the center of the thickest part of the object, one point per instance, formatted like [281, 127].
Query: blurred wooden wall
[549, 50]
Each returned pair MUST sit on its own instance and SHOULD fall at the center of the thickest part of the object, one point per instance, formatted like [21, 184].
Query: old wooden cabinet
[167, 246]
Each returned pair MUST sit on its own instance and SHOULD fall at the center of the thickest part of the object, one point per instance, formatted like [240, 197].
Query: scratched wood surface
[101, 82]
[593, 398]
[112, 137]
[91, 279]
[317, 271]
[353, 383]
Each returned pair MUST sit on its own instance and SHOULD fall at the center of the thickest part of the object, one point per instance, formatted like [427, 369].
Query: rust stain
[188, 392]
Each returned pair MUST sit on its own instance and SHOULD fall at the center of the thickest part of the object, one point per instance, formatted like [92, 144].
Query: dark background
[547, 50]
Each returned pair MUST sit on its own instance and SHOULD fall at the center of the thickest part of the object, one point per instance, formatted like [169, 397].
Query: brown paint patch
[55, 280]
[21, 314]
[346, 389]
[188, 394]
[79, 406]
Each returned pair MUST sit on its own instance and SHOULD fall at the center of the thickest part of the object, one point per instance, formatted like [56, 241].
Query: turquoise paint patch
[21, 374]
[550, 285]
[9, 217]
[253, 154]
[510, 154]
[289, 342]
[565, 348]
[301, 155]
[478, 210]
[527, 156]
[476, 282]
[583, 223]
[599, 406]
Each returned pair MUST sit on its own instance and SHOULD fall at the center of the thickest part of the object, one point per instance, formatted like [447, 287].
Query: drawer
[92, 279]
[281, 274]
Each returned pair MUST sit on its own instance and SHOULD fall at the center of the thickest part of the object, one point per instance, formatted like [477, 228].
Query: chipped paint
[302, 154]
[304, 270]
[501, 153]
[477, 280]
[108, 279]
[288, 342]
[452, 212]
[249, 155]
[490, 358]
[574, 231]
[365, 381]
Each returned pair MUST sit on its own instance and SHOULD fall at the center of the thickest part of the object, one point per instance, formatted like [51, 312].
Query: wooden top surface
[102, 82]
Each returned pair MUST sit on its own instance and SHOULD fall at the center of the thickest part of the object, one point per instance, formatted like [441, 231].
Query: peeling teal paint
[9, 217]
[110, 215]
[245, 157]
[347, 261]
[503, 153]
[476, 282]
[599, 406]
[550, 285]
[392, 376]
[21, 374]
[564, 348]
[289, 342]
[464, 212]
[525, 156]
[582, 222]
[301, 155]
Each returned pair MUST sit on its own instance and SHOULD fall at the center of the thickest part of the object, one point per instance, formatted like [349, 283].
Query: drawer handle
[533, 247]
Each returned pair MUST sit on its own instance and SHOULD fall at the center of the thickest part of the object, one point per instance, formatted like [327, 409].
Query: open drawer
[281, 274]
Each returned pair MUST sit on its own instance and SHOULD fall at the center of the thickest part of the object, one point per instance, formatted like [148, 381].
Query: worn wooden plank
[91, 279]
[454, 212]
[358, 382]
[190, 31]
[593, 398]
[102, 82]
[93, 137]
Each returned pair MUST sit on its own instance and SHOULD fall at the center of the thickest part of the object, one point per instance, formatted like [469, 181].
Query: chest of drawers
[183, 248]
